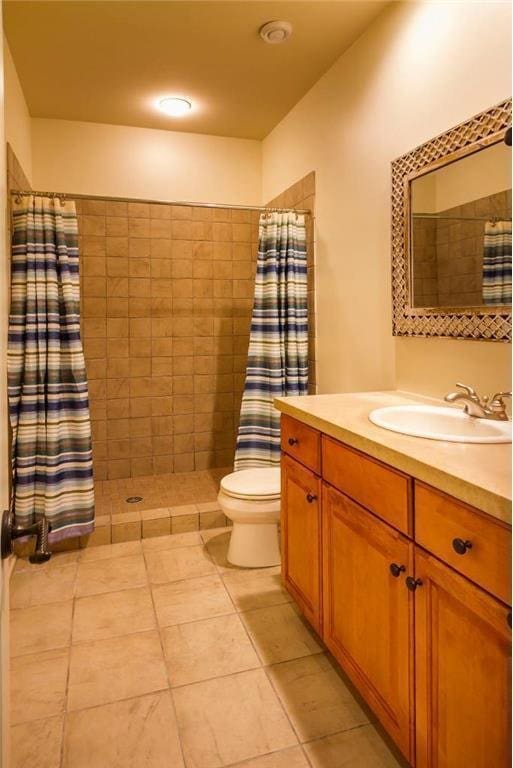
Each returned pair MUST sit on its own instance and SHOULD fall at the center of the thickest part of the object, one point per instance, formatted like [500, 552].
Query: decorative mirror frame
[485, 323]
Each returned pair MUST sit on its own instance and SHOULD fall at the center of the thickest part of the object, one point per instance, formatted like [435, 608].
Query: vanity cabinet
[410, 590]
[368, 613]
[301, 538]
[463, 671]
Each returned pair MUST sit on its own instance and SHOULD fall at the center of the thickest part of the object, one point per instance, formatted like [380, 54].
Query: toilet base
[254, 545]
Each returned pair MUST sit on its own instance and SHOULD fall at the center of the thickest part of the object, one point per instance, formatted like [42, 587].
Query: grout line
[178, 730]
[66, 690]
[248, 760]
[115, 701]
[261, 666]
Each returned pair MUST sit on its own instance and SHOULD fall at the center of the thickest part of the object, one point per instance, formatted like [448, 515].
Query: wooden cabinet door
[463, 653]
[368, 611]
[301, 538]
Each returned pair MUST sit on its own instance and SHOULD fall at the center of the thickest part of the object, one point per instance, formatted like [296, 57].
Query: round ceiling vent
[275, 32]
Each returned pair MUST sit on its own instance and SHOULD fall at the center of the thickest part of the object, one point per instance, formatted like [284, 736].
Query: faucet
[484, 407]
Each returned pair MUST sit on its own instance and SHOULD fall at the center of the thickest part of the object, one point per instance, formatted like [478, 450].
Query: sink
[441, 423]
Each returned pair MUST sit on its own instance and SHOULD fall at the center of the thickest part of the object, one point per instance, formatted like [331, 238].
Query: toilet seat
[259, 484]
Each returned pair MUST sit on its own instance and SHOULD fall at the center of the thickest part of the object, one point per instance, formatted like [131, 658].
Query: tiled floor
[159, 654]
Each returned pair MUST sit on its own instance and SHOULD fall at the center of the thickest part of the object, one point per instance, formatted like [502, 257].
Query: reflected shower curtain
[48, 397]
[278, 344]
[497, 263]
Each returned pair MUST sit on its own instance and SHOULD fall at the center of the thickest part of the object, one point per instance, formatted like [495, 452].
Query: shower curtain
[497, 263]
[48, 398]
[278, 344]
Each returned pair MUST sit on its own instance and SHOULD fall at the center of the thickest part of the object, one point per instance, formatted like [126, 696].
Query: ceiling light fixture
[174, 106]
[275, 32]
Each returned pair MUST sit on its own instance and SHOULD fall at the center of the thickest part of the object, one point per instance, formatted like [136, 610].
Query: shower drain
[133, 499]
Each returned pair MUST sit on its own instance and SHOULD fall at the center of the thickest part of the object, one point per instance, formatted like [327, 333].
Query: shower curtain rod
[70, 196]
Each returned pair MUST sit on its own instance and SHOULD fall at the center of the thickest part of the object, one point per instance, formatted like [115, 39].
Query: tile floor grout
[173, 703]
[160, 629]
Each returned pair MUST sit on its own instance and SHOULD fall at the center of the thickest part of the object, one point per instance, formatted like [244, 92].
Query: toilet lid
[261, 483]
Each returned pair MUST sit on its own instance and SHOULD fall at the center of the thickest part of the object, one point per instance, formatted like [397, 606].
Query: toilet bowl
[251, 499]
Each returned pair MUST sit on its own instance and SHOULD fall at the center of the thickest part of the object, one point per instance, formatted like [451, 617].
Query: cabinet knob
[412, 583]
[311, 497]
[396, 570]
[293, 441]
[461, 546]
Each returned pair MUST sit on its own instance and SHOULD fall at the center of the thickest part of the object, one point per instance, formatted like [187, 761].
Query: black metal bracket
[10, 531]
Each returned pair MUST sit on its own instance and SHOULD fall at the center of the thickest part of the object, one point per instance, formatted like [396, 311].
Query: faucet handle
[496, 401]
[496, 405]
[471, 392]
[500, 396]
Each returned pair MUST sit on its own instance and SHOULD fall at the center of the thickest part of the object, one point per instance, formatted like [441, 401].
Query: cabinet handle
[311, 497]
[508, 619]
[293, 441]
[461, 546]
[412, 583]
[396, 570]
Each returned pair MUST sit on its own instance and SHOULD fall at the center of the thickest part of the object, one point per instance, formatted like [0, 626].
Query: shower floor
[154, 505]
[159, 654]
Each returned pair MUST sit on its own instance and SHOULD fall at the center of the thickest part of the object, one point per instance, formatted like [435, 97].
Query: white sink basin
[440, 423]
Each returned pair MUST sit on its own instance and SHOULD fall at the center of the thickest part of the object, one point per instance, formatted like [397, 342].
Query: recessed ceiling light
[174, 106]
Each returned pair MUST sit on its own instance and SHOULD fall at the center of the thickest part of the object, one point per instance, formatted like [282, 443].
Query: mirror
[460, 232]
[451, 232]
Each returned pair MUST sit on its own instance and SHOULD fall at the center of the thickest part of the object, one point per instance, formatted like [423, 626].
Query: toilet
[251, 499]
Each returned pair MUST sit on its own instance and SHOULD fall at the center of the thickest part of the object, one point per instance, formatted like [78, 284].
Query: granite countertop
[478, 474]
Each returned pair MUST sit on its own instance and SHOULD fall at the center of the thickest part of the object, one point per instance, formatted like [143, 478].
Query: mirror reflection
[460, 232]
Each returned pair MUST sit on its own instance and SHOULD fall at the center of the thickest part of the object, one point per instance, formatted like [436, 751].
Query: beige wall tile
[159, 527]
[184, 523]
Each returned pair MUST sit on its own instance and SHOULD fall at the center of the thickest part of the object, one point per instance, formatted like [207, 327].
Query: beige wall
[17, 118]
[121, 161]
[404, 81]
[485, 366]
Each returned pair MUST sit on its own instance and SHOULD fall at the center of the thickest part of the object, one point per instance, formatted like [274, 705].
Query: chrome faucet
[484, 407]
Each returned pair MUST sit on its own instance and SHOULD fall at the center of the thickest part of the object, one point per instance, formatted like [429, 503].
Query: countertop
[478, 474]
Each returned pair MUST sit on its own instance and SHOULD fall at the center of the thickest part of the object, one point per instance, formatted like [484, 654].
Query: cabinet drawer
[446, 527]
[301, 442]
[384, 491]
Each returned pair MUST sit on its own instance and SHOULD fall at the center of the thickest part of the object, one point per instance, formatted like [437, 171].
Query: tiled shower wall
[449, 253]
[16, 178]
[166, 308]
[167, 293]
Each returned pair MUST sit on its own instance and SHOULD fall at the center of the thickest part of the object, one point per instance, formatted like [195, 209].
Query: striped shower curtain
[48, 398]
[278, 344]
[497, 263]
